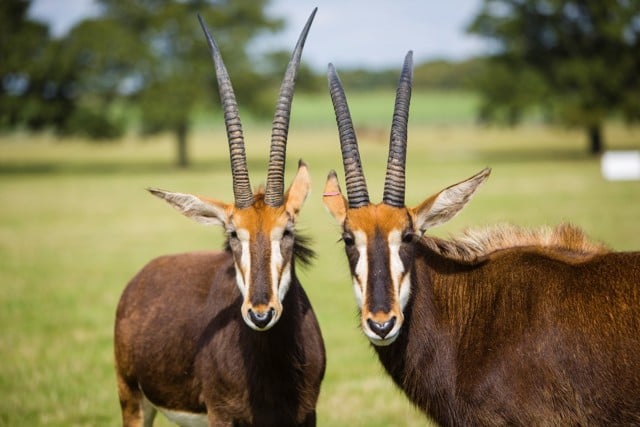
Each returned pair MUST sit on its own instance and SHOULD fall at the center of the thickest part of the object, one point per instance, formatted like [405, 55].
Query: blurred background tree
[578, 60]
[37, 88]
[143, 63]
[153, 53]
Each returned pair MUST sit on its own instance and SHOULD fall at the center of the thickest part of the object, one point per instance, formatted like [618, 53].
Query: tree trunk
[181, 140]
[595, 140]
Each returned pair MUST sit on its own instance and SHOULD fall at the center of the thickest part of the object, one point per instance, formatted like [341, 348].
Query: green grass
[375, 109]
[370, 110]
[76, 224]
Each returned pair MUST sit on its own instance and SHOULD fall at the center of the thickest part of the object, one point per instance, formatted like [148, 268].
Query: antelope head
[380, 239]
[260, 227]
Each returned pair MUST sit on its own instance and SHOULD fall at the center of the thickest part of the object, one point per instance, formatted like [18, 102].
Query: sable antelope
[227, 338]
[499, 327]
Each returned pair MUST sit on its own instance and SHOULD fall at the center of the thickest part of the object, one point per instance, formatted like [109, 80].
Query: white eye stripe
[243, 234]
[243, 265]
[395, 262]
[401, 280]
[276, 233]
[362, 267]
[357, 290]
[405, 291]
[278, 285]
[243, 268]
[280, 268]
[245, 256]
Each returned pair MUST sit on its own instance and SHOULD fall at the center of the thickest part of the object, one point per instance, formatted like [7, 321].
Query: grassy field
[370, 109]
[76, 224]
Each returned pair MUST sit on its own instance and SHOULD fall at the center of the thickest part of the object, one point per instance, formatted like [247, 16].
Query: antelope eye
[348, 239]
[233, 234]
[287, 233]
[407, 237]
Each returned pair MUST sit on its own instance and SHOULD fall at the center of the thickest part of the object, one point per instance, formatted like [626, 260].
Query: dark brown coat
[227, 339]
[522, 336]
[502, 327]
[181, 341]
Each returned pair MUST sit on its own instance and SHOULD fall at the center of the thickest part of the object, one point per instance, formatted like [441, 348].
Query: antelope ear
[203, 210]
[333, 199]
[443, 206]
[298, 191]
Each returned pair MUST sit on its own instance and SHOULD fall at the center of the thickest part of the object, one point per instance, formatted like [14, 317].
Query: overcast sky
[349, 33]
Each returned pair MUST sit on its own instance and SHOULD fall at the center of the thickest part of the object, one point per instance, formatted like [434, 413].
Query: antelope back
[260, 227]
[380, 239]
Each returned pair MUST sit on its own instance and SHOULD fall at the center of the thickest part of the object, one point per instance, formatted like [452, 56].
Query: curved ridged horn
[394, 182]
[274, 190]
[241, 187]
[354, 176]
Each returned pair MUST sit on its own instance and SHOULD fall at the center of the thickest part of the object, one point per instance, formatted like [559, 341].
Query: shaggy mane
[476, 244]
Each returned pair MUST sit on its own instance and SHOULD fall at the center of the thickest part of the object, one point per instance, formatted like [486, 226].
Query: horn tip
[311, 16]
[201, 20]
[207, 34]
[305, 30]
[408, 59]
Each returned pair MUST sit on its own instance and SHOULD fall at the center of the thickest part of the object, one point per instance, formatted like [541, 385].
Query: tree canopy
[157, 57]
[578, 59]
[146, 62]
[144, 56]
[37, 90]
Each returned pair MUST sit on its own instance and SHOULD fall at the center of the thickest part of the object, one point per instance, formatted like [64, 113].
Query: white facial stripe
[405, 291]
[357, 290]
[362, 268]
[280, 273]
[276, 261]
[279, 283]
[243, 234]
[401, 286]
[276, 233]
[243, 270]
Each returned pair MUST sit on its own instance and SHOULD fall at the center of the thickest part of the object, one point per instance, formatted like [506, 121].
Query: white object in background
[621, 165]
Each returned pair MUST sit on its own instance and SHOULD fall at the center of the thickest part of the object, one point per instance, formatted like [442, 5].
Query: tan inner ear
[201, 209]
[446, 204]
[333, 199]
[298, 191]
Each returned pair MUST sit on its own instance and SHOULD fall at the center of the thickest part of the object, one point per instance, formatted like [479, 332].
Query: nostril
[261, 319]
[382, 329]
